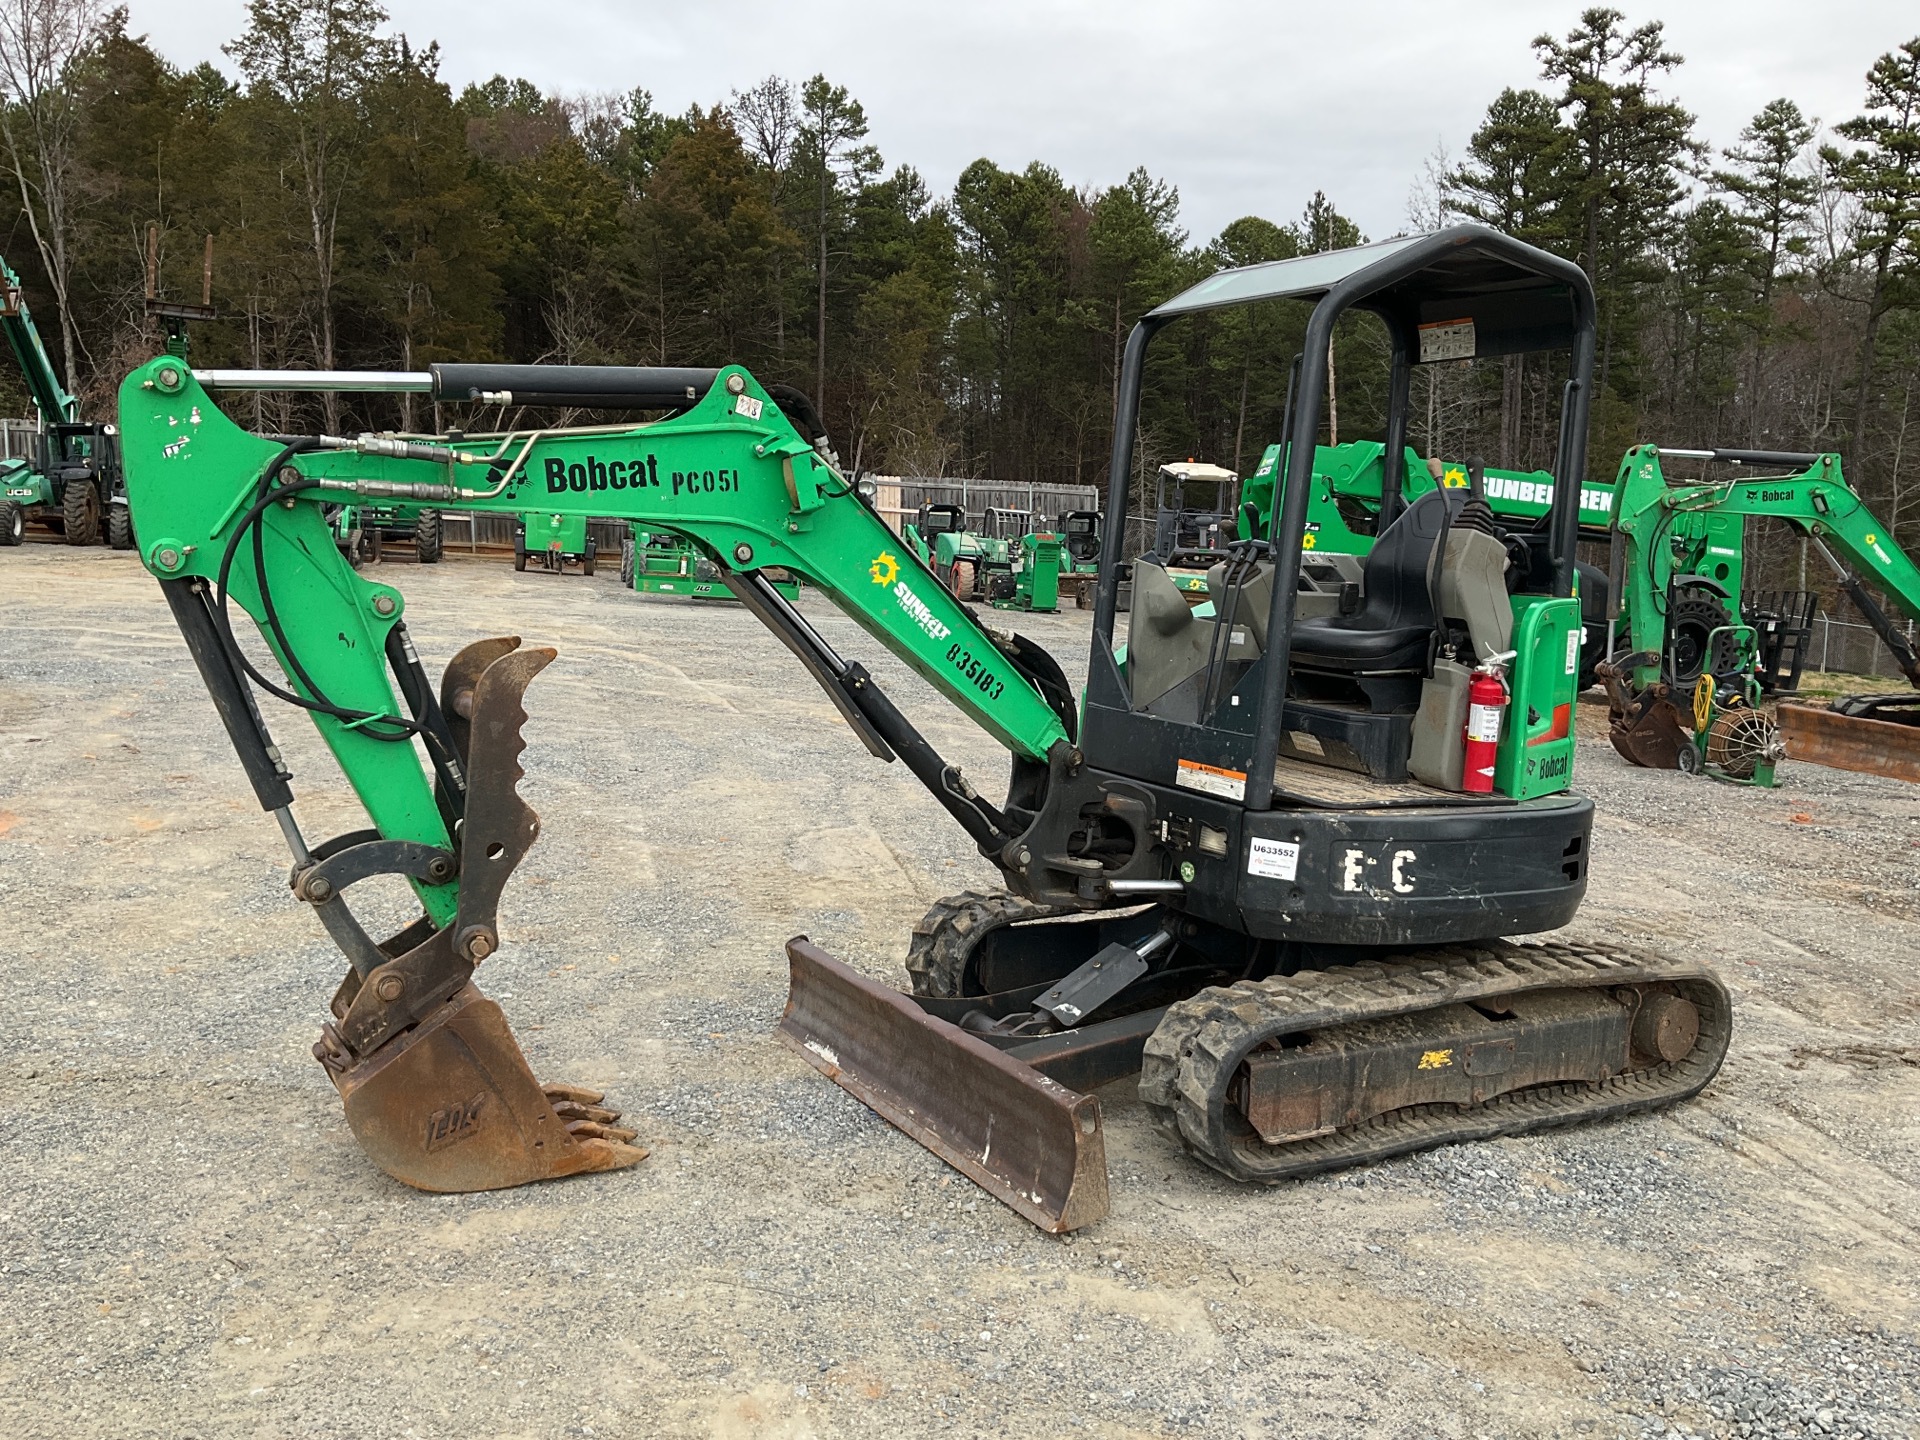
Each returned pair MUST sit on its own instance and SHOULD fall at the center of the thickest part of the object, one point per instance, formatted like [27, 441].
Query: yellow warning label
[1436, 1059]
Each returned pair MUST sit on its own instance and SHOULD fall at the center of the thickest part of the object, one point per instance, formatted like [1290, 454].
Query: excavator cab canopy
[1464, 293]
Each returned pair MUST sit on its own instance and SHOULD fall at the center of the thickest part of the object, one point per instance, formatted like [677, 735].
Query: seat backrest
[1165, 644]
[1253, 604]
[1402, 571]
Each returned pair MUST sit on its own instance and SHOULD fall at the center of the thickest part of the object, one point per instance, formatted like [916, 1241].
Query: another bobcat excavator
[1678, 558]
[1218, 870]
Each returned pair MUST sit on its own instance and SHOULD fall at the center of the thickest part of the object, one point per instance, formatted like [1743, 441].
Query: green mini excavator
[1219, 870]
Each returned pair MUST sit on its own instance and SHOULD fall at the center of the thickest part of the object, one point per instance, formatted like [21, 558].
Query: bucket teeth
[595, 1130]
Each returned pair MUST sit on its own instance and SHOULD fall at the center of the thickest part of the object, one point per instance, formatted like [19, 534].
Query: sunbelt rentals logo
[885, 570]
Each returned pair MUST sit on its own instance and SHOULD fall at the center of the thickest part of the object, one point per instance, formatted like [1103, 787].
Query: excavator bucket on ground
[451, 1106]
[1020, 1135]
[435, 1087]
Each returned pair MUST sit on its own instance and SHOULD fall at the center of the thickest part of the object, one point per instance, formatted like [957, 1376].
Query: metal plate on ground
[1028, 1141]
[1850, 742]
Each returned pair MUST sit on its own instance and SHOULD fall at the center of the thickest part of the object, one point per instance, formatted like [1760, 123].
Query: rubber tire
[120, 527]
[627, 562]
[1701, 612]
[519, 559]
[427, 537]
[962, 590]
[80, 509]
[375, 544]
[586, 561]
[13, 523]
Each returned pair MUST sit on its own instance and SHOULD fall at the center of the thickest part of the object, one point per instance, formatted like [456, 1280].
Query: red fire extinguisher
[1486, 707]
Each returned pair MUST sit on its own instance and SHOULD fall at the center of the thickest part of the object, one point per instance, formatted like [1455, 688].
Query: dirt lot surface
[192, 1245]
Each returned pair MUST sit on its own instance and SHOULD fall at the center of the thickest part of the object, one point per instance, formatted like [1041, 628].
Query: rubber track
[947, 934]
[1193, 1056]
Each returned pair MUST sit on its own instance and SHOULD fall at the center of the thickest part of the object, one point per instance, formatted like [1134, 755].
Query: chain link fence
[1852, 648]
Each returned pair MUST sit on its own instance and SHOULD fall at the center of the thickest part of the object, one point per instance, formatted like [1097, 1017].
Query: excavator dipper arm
[435, 1088]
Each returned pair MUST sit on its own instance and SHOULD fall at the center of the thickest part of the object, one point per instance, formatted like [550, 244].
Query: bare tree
[310, 60]
[767, 115]
[41, 42]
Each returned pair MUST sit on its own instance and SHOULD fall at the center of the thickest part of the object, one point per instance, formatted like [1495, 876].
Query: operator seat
[1391, 632]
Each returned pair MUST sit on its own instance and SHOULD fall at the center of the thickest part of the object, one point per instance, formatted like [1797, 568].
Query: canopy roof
[1516, 297]
[1197, 470]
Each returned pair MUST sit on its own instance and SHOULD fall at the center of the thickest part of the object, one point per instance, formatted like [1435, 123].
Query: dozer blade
[1851, 742]
[451, 1106]
[1027, 1140]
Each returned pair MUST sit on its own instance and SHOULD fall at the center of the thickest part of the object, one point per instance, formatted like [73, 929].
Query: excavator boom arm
[1815, 500]
[731, 472]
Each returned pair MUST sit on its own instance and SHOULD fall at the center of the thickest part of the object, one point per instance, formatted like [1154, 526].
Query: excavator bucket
[1645, 725]
[1027, 1140]
[451, 1106]
[1650, 733]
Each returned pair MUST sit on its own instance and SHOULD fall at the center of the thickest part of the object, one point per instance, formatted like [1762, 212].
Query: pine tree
[307, 64]
[830, 151]
[1772, 195]
[1882, 172]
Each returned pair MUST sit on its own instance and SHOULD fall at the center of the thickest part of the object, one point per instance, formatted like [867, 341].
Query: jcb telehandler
[1218, 872]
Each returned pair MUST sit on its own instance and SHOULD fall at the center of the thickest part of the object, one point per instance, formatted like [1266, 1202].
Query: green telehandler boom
[1220, 872]
[72, 484]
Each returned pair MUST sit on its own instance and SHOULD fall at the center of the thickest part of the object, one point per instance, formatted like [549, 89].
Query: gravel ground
[191, 1244]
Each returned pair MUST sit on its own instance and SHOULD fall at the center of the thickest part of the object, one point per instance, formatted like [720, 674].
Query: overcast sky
[1245, 108]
